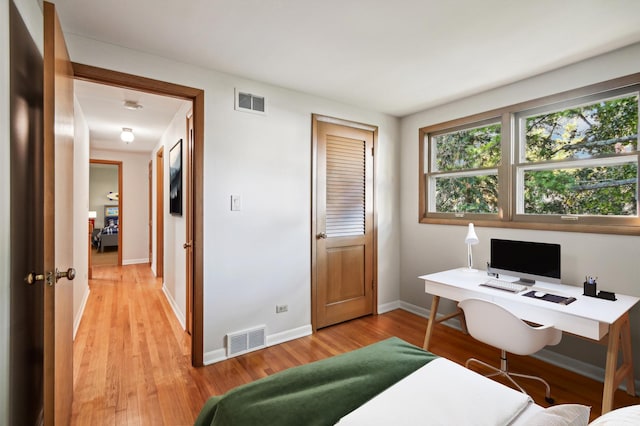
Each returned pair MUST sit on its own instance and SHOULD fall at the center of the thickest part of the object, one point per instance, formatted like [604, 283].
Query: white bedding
[444, 393]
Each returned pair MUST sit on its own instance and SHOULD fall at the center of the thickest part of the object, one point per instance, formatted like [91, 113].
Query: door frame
[315, 119]
[160, 212]
[196, 96]
[150, 221]
[120, 201]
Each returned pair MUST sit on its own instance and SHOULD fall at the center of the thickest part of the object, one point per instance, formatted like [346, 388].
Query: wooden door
[344, 221]
[26, 353]
[58, 224]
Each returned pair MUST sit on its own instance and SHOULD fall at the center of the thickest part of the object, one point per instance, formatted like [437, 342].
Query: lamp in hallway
[126, 135]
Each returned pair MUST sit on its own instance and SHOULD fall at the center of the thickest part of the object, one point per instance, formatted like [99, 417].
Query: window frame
[512, 166]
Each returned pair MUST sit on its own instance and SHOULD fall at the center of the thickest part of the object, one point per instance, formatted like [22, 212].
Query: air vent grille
[249, 102]
[241, 342]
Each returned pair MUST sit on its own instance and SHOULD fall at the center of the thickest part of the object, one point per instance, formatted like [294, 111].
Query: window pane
[471, 194]
[604, 127]
[609, 190]
[468, 149]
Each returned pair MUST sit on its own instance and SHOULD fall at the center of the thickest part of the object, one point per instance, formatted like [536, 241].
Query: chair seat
[495, 325]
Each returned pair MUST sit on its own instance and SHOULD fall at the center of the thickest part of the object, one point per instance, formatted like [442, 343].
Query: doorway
[105, 187]
[194, 175]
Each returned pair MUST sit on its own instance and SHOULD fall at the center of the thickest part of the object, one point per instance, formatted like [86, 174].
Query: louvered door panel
[346, 195]
[344, 230]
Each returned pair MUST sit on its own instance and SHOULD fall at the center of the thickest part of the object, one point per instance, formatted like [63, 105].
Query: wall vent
[245, 341]
[249, 102]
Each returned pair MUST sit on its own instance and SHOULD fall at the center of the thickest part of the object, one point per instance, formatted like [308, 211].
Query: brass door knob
[69, 274]
[33, 277]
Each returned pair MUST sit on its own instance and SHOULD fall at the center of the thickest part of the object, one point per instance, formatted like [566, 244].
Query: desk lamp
[470, 239]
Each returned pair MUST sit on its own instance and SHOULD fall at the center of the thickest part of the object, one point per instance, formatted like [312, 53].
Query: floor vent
[245, 341]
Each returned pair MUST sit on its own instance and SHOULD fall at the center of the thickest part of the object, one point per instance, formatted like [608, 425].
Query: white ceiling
[396, 57]
[104, 111]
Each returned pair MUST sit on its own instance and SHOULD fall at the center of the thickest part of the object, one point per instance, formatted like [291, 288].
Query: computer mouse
[539, 294]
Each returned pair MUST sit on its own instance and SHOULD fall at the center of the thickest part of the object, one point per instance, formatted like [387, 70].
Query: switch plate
[235, 203]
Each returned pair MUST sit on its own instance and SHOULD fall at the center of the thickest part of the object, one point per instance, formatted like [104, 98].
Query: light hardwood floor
[132, 361]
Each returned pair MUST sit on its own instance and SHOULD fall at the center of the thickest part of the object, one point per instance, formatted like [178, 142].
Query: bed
[107, 236]
[388, 383]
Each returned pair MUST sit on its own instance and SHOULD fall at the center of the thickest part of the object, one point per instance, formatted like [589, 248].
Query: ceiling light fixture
[127, 135]
[132, 105]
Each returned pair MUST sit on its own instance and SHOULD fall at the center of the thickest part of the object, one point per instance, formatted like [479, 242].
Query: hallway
[131, 357]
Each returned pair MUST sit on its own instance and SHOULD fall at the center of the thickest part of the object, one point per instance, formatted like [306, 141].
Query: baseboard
[579, 367]
[218, 355]
[214, 356]
[134, 261]
[174, 306]
[388, 307]
[414, 309]
[285, 336]
[78, 319]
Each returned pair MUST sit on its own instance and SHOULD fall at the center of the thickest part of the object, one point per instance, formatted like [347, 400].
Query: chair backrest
[496, 326]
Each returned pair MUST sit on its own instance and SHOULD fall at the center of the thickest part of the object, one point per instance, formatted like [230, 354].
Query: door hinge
[372, 151]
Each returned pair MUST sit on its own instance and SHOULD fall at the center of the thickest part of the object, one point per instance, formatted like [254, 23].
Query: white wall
[429, 248]
[260, 256]
[174, 265]
[80, 215]
[32, 17]
[135, 203]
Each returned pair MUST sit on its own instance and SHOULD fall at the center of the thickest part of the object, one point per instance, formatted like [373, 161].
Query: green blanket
[319, 393]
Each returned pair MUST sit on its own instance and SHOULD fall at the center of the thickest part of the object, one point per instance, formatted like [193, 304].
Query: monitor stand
[526, 281]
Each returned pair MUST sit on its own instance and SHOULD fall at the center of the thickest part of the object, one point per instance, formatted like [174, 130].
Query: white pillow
[561, 415]
[620, 417]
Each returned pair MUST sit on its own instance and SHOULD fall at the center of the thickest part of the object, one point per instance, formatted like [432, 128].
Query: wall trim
[80, 313]
[174, 306]
[135, 261]
[218, 355]
[285, 336]
[388, 307]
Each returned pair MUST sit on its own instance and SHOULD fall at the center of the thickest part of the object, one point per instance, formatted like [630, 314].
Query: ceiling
[104, 110]
[396, 57]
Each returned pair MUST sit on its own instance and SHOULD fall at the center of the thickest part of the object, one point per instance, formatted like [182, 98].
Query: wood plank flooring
[132, 360]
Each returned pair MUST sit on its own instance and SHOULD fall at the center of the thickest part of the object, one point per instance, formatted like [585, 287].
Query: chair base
[504, 372]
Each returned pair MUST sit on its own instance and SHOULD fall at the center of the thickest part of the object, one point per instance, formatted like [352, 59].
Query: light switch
[235, 203]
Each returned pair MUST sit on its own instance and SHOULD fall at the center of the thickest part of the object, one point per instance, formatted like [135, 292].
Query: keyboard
[504, 285]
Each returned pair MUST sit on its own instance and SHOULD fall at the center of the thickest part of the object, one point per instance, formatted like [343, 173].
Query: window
[463, 173]
[569, 161]
[579, 161]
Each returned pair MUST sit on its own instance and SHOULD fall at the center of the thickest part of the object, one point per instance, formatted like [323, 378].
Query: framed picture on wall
[175, 179]
[111, 211]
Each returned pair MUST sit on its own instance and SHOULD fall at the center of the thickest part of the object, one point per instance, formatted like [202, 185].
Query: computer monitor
[529, 261]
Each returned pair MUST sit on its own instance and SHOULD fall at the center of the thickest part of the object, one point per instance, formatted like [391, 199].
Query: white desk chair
[494, 325]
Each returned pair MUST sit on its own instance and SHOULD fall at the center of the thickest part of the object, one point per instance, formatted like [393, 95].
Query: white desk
[601, 320]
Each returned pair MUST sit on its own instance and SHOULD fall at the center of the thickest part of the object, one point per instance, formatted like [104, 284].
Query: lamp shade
[471, 237]
[127, 135]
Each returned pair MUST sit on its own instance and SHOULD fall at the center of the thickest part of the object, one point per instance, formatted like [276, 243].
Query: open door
[26, 355]
[58, 222]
